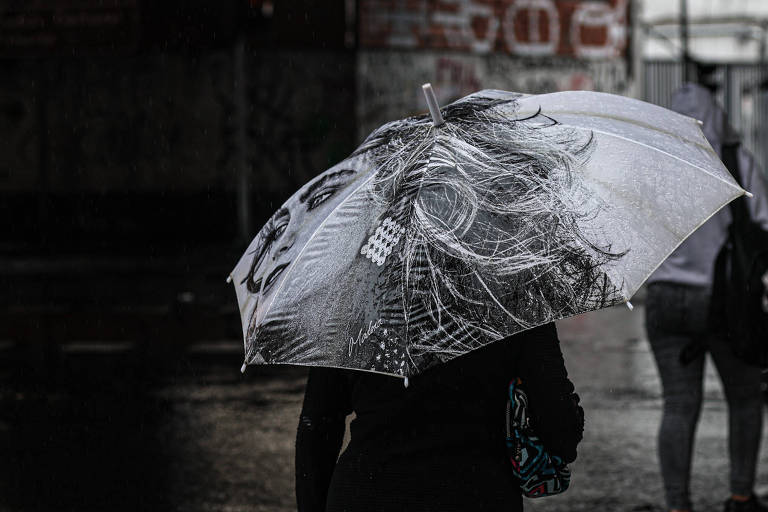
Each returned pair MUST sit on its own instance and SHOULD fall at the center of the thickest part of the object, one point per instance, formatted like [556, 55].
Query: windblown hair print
[492, 208]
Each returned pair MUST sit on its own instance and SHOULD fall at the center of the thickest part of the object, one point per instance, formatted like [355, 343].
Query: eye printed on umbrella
[432, 241]
[282, 239]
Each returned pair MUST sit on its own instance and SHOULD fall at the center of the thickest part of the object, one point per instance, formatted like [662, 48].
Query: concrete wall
[19, 139]
[389, 83]
[460, 46]
[147, 146]
[301, 118]
[155, 144]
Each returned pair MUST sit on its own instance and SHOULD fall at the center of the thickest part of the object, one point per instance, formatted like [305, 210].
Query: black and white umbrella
[443, 233]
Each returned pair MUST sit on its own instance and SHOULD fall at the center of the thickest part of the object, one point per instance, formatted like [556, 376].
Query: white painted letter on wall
[534, 40]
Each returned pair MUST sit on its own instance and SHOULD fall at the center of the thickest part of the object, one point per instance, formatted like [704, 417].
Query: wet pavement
[610, 363]
[113, 432]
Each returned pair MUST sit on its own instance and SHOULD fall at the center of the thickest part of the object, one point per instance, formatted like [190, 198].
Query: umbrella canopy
[431, 241]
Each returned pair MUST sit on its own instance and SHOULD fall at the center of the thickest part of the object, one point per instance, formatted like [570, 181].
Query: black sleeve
[556, 415]
[319, 435]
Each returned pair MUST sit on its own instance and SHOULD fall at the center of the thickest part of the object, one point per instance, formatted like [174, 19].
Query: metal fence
[742, 91]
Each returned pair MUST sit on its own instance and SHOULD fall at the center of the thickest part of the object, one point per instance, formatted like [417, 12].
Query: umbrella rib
[628, 120]
[311, 237]
[659, 150]
[684, 239]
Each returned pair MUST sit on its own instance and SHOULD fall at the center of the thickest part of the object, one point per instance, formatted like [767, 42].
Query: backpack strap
[717, 304]
[738, 206]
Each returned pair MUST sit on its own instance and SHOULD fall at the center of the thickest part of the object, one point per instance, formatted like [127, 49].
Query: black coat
[438, 444]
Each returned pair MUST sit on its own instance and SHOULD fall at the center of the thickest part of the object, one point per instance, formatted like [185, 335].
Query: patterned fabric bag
[540, 474]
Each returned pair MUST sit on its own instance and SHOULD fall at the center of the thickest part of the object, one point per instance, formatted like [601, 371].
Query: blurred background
[143, 144]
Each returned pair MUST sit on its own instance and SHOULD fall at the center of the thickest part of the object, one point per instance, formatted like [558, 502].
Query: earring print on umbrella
[440, 235]
[381, 243]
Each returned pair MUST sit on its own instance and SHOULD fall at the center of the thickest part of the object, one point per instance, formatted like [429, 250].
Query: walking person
[439, 444]
[681, 321]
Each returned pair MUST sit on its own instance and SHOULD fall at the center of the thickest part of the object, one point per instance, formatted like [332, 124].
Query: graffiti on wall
[454, 75]
[585, 29]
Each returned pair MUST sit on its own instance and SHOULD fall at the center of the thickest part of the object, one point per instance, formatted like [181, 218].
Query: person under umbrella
[438, 444]
[466, 236]
[678, 322]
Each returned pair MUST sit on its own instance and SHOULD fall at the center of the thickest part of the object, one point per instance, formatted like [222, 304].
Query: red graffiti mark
[582, 28]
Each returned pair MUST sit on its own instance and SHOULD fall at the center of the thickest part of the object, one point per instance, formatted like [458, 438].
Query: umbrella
[501, 212]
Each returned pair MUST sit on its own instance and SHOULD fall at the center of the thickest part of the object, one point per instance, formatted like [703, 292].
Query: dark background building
[125, 120]
[142, 145]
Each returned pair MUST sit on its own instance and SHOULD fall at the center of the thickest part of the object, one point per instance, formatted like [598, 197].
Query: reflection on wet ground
[610, 362]
[111, 432]
[111, 435]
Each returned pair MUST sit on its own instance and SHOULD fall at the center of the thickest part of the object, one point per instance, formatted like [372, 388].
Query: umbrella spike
[242, 368]
[434, 107]
[749, 194]
[229, 279]
[630, 306]
[405, 382]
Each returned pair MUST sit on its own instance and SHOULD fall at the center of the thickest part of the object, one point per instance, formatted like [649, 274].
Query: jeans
[676, 315]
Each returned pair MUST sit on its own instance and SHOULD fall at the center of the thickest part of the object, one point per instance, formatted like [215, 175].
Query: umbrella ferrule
[434, 107]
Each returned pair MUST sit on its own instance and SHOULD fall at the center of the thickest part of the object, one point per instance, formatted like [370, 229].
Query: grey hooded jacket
[693, 262]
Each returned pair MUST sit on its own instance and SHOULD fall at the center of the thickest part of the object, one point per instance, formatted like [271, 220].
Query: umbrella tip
[229, 279]
[630, 306]
[405, 382]
[242, 368]
[749, 194]
[434, 108]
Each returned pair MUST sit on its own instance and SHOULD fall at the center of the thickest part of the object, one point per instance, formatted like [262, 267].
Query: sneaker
[751, 505]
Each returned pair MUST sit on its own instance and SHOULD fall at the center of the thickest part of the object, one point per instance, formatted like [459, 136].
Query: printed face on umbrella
[430, 243]
[282, 237]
